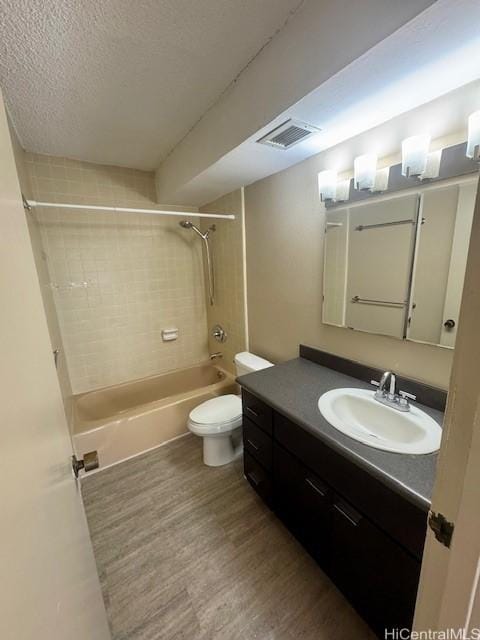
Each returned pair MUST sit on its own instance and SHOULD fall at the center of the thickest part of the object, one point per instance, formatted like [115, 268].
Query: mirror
[368, 257]
[396, 266]
[439, 269]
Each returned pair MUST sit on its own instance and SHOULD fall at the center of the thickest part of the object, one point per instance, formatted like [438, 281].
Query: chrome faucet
[388, 375]
[391, 398]
[214, 356]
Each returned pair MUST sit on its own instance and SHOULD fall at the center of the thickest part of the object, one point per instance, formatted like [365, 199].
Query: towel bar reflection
[378, 225]
[383, 303]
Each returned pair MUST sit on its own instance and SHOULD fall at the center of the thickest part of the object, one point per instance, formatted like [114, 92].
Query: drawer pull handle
[254, 413]
[251, 476]
[311, 484]
[252, 444]
[353, 519]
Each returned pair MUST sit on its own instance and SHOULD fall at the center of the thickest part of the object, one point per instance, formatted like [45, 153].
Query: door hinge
[441, 527]
[89, 462]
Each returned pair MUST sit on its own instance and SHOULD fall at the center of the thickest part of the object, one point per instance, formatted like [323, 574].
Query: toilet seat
[218, 415]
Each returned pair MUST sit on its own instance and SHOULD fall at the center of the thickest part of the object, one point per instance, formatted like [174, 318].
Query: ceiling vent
[289, 134]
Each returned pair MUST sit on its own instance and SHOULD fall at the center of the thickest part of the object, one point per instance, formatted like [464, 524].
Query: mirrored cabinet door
[381, 241]
[335, 272]
[368, 259]
[439, 268]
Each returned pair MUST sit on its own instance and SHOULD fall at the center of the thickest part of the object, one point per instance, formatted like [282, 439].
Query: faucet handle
[375, 383]
[406, 395]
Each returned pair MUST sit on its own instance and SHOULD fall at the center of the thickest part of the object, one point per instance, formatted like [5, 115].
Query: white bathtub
[127, 419]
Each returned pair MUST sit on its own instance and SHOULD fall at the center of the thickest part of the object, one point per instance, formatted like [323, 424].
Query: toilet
[218, 421]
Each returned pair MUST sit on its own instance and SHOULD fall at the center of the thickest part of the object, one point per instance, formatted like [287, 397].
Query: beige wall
[284, 231]
[142, 273]
[228, 254]
[43, 273]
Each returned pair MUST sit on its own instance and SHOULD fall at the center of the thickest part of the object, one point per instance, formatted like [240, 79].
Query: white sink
[357, 414]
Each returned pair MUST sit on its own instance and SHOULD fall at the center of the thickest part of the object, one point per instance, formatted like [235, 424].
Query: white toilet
[218, 421]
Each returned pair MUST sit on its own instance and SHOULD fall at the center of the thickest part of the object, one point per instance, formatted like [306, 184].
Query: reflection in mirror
[335, 271]
[385, 273]
[368, 259]
[439, 270]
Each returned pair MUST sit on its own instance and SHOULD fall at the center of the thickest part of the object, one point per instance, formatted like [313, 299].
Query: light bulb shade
[473, 140]
[432, 168]
[365, 168]
[343, 191]
[327, 185]
[414, 155]
[381, 179]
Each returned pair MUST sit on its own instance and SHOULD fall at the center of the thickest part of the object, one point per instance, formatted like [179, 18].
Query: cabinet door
[302, 501]
[377, 575]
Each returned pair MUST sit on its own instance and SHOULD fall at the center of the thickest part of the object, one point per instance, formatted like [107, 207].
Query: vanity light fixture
[432, 168]
[414, 155]
[473, 140]
[327, 185]
[364, 170]
[381, 179]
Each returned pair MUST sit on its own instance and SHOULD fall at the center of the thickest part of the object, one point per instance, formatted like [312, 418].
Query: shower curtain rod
[30, 204]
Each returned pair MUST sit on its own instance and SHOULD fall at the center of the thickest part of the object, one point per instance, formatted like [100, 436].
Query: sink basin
[357, 414]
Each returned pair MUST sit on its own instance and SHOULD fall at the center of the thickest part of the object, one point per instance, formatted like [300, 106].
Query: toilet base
[220, 450]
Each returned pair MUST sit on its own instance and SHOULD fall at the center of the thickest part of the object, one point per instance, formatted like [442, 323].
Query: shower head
[189, 225]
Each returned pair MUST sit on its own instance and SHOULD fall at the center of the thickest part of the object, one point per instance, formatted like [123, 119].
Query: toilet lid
[217, 410]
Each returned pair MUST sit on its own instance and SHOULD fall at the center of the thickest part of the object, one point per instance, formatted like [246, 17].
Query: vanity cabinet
[365, 536]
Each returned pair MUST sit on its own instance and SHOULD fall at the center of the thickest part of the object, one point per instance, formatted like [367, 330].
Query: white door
[449, 596]
[49, 584]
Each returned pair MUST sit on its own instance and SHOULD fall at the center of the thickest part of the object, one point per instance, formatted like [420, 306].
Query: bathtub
[127, 419]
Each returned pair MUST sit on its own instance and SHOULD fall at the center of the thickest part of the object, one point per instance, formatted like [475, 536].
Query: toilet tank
[246, 362]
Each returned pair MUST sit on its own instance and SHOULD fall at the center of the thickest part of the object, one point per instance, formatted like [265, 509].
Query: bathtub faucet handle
[214, 356]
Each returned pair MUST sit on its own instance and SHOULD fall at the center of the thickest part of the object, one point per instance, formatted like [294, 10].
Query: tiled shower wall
[118, 279]
[228, 253]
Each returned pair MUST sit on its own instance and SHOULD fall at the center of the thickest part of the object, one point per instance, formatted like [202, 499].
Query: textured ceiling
[122, 81]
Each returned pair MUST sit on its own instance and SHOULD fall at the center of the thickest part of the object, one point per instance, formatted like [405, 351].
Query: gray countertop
[293, 388]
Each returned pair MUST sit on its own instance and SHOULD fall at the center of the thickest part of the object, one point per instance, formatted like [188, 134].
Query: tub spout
[215, 356]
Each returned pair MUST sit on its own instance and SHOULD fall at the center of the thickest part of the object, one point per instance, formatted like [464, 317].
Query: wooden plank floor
[189, 552]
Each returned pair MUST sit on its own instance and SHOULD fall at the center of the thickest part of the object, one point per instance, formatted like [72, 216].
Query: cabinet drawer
[377, 575]
[257, 411]
[257, 443]
[258, 477]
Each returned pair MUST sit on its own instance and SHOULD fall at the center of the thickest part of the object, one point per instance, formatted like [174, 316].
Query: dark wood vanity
[367, 537]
